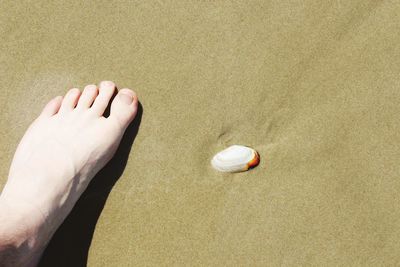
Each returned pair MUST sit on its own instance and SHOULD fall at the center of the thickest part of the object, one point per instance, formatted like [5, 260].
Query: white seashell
[235, 158]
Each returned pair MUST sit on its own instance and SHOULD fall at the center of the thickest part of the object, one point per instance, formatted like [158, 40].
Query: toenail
[74, 91]
[91, 87]
[126, 98]
[107, 84]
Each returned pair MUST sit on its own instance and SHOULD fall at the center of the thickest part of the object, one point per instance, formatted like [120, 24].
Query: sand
[313, 86]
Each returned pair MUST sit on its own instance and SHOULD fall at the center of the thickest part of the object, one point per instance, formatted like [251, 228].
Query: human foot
[55, 161]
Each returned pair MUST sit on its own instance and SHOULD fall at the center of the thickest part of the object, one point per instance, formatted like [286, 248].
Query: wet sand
[313, 87]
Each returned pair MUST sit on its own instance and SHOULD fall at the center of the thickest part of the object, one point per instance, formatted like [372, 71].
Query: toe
[106, 91]
[52, 107]
[70, 100]
[124, 107]
[88, 96]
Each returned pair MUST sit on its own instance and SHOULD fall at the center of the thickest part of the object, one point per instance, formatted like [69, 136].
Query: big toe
[124, 107]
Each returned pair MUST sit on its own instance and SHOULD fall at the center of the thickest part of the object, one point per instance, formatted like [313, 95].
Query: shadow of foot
[70, 244]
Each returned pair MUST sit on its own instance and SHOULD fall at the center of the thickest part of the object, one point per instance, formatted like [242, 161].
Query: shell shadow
[70, 244]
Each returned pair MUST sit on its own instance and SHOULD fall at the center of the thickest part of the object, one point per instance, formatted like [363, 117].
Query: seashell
[235, 158]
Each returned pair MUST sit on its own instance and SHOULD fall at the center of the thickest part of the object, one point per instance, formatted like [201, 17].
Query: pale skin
[56, 159]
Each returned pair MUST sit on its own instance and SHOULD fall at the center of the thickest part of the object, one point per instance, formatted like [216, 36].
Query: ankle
[20, 235]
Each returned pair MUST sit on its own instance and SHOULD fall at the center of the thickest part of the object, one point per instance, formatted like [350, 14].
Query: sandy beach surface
[314, 86]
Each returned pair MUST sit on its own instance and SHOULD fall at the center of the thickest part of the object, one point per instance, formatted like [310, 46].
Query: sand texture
[314, 86]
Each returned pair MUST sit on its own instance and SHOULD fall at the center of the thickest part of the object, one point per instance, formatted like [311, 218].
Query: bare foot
[58, 156]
